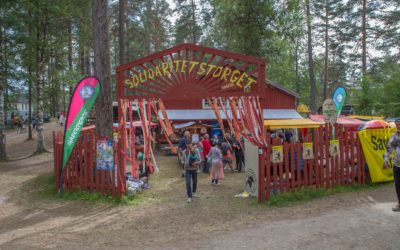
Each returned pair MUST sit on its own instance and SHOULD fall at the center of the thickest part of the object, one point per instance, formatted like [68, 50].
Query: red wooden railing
[80, 172]
[324, 171]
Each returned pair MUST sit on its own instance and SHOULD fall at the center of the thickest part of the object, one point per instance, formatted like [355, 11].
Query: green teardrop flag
[82, 101]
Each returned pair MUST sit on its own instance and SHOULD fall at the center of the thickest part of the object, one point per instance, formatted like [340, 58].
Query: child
[215, 158]
[143, 171]
[226, 149]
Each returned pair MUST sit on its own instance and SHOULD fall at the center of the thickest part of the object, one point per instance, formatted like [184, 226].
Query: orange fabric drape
[168, 126]
[164, 126]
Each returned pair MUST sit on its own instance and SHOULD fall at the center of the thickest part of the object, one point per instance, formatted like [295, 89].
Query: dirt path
[216, 220]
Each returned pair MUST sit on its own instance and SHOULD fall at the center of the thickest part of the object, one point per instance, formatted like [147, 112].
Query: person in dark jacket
[394, 145]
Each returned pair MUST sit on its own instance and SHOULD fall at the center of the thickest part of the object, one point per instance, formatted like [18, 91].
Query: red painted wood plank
[275, 173]
[359, 162]
[316, 158]
[281, 184]
[346, 156]
[268, 170]
[298, 149]
[292, 167]
[327, 157]
[352, 157]
[286, 162]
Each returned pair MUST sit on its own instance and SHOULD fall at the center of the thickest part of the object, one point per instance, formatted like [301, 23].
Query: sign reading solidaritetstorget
[82, 101]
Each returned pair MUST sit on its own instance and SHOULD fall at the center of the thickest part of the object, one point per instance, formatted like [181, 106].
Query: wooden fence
[324, 171]
[80, 172]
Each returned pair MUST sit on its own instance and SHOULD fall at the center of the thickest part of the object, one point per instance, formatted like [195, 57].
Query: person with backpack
[182, 147]
[191, 161]
[226, 150]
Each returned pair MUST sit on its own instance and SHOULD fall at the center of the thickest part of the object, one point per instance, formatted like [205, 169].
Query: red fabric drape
[164, 126]
[214, 105]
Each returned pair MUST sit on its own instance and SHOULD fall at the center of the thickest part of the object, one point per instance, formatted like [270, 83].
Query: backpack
[225, 148]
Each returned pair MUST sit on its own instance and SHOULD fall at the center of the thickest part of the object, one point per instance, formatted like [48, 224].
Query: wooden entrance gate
[184, 72]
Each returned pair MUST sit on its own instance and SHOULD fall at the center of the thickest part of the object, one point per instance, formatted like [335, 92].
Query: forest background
[310, 46]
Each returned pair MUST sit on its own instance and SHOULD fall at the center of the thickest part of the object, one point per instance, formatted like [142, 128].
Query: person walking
[191, 159]
[239, 155]
[206, 150]
[226, 150]
[182, 147]
[215, 159]
[394, 145]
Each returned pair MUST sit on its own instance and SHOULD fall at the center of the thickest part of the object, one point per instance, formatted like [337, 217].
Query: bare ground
[216, 220]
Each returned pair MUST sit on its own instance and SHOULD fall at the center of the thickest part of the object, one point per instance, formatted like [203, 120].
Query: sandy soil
[216, 220]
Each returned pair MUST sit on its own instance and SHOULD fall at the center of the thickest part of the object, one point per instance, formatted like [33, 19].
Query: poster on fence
[105, 155]
[373, 142]
[308, 152]
[277, 154]
[334, 149]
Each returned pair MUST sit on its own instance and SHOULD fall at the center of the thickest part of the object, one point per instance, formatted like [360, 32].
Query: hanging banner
[105, 155]
[339, 97]
[277, 154]
[329, 111]
[373, 142]
[82, 101]
[334, 148]
[308, 152]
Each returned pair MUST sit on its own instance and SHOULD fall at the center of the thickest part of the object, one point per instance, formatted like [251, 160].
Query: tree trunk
[313, 101]
[40, 61]
[364, 39]
[30, 102]
[296, 58]
[326, 48]
[3, 80]
[194, 22]
[103, 109]
[88, 70]
[122, 32]
[71, 89]
[127, 57]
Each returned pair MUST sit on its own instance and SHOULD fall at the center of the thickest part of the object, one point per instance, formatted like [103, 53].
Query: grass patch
[304, 195]
[47, 190]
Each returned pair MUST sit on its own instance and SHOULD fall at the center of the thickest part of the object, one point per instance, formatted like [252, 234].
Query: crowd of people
[210, 156]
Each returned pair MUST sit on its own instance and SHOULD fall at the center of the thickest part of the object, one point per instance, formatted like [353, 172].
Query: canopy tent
[374, 124]
[291, 123]
[345, 121]
[366, 117]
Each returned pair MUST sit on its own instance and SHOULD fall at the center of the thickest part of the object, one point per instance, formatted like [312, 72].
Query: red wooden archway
[185, 72]
[188, 71]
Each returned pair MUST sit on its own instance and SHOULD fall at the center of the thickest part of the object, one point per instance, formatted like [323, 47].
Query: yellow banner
[373, 142]
[277, 154]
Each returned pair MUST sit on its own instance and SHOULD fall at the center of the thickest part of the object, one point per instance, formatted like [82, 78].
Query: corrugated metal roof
[281, 114]
[208, 114]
